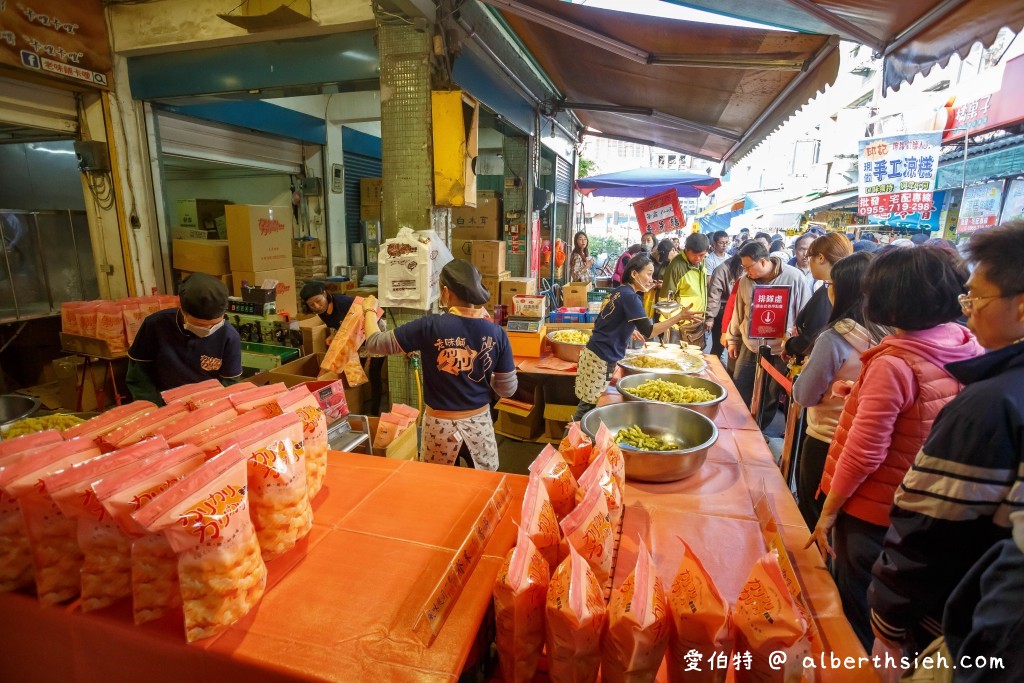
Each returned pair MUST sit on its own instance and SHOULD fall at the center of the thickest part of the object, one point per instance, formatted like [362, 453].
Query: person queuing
[620, 266]
[622, 316]
[903, 384]
[760, 269]
[802, 258]
[821, 255]
[647, 242]
[835, 358]
[686, 281]
[662, 256]
[191, 343]
[719, 253]
[958, 501]
[720, 287]
[465, 357]
[580, 260]
[778, 249]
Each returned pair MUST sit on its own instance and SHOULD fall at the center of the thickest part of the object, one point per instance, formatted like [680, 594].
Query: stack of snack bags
[519, 595]
[258, 397]
[197, 399]
[575, 621]
[576, 449]
[314, 429]
[342, 355]
[701, 621]
[115, 418]
[393, 423]
[116, 322]
[193, 422]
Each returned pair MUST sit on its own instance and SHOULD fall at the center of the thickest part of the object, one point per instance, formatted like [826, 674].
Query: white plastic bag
[409, 269]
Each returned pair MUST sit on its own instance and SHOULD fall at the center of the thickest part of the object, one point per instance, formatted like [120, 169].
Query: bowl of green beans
[660, 442]
[696, 393]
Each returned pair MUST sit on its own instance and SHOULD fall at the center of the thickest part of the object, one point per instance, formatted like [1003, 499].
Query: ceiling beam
[669, 119]
[763, 62]
[839, 24]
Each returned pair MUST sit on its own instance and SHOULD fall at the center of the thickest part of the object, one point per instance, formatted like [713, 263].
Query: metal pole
[790, 440]
[760, 380]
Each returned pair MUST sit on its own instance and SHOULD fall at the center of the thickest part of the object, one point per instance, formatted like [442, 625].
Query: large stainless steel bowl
[14, 407]
[710, 408]
[694, 433]
[567, 352]
[688, 363]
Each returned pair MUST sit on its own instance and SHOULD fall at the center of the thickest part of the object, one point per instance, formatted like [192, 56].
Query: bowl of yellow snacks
[660, 442]
[695, 393]
[669, 360]
[567, 344]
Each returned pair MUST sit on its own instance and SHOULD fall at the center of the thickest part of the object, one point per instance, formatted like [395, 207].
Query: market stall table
[341, 606]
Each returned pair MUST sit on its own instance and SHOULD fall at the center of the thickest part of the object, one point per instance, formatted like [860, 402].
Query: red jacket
[730, 305]
[902, 386]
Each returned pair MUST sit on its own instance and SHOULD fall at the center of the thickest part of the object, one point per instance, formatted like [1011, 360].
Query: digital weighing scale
[520, 323]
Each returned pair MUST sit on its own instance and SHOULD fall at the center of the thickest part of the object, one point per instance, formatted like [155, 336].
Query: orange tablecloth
[341, 607]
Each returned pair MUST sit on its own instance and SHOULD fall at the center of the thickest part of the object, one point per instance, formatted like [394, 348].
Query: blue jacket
[955, 502]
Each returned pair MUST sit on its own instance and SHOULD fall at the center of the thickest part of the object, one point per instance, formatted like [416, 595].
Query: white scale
[519, 323]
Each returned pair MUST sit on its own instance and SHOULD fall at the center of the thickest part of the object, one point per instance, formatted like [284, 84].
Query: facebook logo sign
[30, 59]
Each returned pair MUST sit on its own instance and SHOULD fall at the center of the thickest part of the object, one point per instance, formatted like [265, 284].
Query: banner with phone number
[897, 174]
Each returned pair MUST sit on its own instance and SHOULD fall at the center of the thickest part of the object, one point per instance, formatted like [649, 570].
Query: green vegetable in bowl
[634, 437]
[670, 392]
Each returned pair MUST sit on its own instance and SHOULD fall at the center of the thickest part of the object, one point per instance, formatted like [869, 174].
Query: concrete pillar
[516, 151]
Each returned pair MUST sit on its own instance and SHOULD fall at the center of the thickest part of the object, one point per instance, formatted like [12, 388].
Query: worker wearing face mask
[622, 316]
[192, 343]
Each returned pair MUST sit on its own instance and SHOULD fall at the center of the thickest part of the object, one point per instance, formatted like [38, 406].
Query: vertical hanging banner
[897, 175]
[659, 213]
[980, 207]
[56, 37]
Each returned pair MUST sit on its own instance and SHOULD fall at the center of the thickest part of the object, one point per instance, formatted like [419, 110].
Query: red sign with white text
[659, 213]
[769, 311]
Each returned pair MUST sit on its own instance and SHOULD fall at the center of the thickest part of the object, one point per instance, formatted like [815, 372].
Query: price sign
[659, 213]
[769, 311]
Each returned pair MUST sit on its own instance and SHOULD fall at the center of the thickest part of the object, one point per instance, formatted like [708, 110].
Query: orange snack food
[539, 521]
[767, 621]
[115, 418]
[153, 564]
[141, 428]
[576, 448]
[210, 415]
[258, 396]
[519, 594]
[638, 626]
[197, 400]
[205, 518]
[701, 621]
[604, 442]
[314, 430]
[575, 620]
[52, 536]
[599, 474]
[551, 469]
[588, 530]
[186, 390]
[215, 439]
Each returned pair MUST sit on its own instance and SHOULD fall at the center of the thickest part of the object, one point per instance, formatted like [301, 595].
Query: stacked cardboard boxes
[371, 197]
[308, 261]
[206, 216]
[260, 248]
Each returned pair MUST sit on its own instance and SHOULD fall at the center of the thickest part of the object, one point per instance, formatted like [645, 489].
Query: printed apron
[442, 440]
[592, 376]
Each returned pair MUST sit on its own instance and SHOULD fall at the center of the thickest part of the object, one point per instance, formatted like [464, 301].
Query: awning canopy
[702, 89]
[644, 182]
[913, 35]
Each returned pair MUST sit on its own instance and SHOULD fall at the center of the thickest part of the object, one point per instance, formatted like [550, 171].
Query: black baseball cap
[203, 296]
[464, 280]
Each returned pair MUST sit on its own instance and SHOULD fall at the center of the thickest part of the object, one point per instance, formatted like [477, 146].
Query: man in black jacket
[955, 502]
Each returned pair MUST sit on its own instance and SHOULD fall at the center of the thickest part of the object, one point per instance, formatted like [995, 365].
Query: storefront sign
[1013, 207]
[659, 213]
[980, 207]
[991, 100]
[66, 39]
[535, 249]
[897, 175]
[769, 311]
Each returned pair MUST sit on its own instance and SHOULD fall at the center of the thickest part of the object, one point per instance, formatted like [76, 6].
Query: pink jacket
[902, 387]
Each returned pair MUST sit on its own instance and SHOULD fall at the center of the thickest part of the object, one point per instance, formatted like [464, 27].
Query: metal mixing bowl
[14, 407]
[694, 433]
[710, 408]
[689, 363]
[567, 352]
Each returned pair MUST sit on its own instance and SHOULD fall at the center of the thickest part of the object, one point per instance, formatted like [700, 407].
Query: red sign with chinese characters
[659, 213]
[769, 311]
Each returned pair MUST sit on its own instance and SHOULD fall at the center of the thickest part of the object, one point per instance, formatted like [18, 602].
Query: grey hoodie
[739, 326]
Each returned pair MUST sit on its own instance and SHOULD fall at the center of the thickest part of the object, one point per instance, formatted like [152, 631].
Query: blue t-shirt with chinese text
[173, 356]
[615, 324]
[458, 354]
[342, 304]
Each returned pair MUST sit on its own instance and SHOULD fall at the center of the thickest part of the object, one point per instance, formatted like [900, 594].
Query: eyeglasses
[967, 302]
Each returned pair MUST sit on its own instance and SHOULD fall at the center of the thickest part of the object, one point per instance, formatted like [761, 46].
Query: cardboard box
[462, 249]
[314, 335]
[371, 212]
[482, 222]
[260, 237]
[517, 423]
[489, 256]
[287, 294]
[493, 285]
[193, 234]
[371, 190]
[226, 279]
[556, 418]
[201, 256]
[574, 294]
[516, 285]
[527, 344]
[204, 214]
[405, 446]
[303, 248]
[307, 369]
[309, 262]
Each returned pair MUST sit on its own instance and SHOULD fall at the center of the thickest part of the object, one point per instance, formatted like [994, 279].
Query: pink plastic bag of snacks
[588, 530]
[550, 467]
[167, 301]
[215, 439]
[205, 517]
[519, 594]
[133, 318]
[638, 625]
[69, 317]
[604, 442]
[196, 421]
[599, 474]
[110, 327]
[53, 537]
[314, 430]
[15, 554]
[106, 550]
[143, 427]
[115, 418]
[153, 564]
[186, 390]
[575, 621]
[701, 619]
[576, 448]
[258, 396]
[202, 398]
[767, 622]
[148, 305]
[278, 499]
[540, 523]
[86, 314]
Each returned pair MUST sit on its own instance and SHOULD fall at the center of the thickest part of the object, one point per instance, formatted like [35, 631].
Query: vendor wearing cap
[332, 308]
[465, 357]
[192, 343]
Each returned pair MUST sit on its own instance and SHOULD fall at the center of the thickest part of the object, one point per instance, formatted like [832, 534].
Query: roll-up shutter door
[563, 181]
[33, 106]
[357, 166]
[196, 139]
